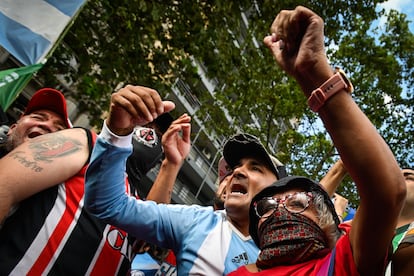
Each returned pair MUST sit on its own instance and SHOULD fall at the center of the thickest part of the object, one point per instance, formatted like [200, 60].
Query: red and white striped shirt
[50, 233]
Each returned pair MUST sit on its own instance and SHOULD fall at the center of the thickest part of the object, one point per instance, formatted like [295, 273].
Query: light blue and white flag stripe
[30, 28]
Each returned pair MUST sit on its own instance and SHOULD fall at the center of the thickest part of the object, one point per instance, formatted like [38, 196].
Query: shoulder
[191, 216]
[345, 227]
[199, 212]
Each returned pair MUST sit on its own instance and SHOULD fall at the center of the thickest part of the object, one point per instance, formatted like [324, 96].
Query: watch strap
[333, 85]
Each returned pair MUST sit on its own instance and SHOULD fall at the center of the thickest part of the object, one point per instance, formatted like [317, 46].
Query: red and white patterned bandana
[287, 238]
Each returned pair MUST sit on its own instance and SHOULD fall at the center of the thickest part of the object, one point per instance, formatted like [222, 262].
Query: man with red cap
[44, 228]
[46, 112]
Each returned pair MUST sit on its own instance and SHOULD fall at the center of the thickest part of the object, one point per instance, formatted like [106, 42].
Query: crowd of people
[68, 208]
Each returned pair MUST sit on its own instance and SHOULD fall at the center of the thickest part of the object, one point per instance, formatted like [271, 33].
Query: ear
[11, 129]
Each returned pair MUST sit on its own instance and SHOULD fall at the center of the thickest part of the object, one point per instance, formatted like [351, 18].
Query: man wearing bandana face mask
[295, 225]
[293, 221]
[306, 237]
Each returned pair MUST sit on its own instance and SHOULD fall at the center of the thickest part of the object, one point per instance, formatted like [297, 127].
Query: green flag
[12, 82]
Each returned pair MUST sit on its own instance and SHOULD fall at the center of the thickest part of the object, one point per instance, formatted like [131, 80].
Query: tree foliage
[152, 43]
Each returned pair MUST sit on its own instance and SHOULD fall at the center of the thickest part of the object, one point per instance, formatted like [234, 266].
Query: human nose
[239, 172]
[279, 202]
[47, 126]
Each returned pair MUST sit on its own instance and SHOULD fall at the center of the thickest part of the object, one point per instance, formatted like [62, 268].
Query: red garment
[51, 234]
[171, 258]
[344, 262]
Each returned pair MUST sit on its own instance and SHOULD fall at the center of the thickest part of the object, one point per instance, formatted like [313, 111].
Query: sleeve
[106, 198]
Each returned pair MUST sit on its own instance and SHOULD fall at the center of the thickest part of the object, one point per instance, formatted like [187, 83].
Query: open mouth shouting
[34, 134]
[238, 189]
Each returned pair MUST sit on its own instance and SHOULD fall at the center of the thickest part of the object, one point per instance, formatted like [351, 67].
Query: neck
[406, 216]
[253, 268]
[241, 225]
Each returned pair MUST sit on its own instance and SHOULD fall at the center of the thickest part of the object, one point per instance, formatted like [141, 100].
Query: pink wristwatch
[333, 85]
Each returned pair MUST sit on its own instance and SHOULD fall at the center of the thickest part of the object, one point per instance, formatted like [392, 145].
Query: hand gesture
[297, 44]
[135, 105]
[176, 140]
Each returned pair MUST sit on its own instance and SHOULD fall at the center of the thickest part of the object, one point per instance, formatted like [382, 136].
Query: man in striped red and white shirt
[45, 229]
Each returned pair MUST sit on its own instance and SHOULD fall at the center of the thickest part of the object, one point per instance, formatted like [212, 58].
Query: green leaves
[154, 43]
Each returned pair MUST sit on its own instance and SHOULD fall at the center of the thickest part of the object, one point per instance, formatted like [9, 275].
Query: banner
[12, 81]
[30, 28]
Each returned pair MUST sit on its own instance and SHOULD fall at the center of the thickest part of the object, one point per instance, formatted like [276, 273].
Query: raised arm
[331, 182]
[176, 146]
[105, 193]
[40, 163]
[333, 178]
[297, 43]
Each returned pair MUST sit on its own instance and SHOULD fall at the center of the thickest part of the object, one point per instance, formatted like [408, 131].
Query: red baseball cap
[49, 99]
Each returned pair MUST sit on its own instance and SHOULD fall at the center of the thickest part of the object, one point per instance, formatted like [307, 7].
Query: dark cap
[49, 99]
[282, 185]
[245, 145]
[164, 121]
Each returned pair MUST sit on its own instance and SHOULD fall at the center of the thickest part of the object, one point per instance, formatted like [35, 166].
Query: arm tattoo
[19, 156]
[46, 148]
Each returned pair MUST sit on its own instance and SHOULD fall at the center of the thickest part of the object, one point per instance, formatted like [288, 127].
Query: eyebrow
[252, 161]
[409, 175]
[256, 162]
[60, 122]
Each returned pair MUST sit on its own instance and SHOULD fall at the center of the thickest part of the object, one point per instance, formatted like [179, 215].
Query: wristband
[333, 85]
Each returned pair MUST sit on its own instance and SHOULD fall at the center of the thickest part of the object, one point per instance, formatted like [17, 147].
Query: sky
[404, 6]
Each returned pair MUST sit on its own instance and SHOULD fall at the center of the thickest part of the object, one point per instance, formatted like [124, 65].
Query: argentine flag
[30, 28]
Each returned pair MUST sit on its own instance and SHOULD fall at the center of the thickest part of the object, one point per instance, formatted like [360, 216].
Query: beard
[287, 238]
[13, 141]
